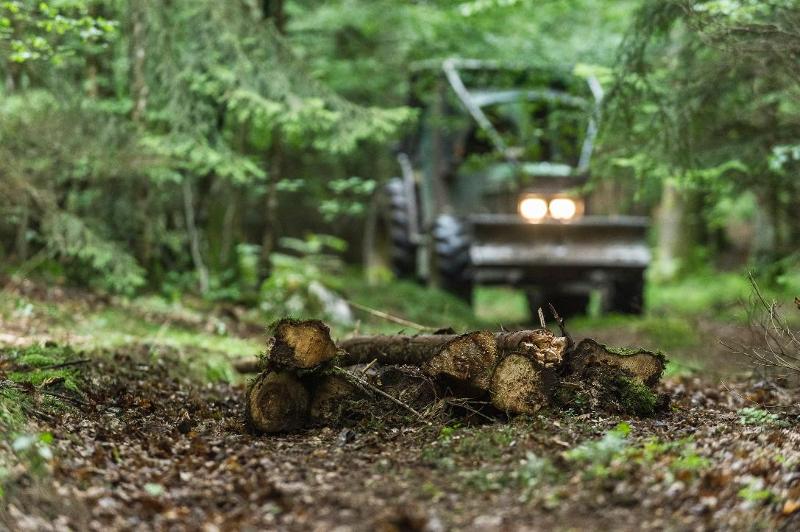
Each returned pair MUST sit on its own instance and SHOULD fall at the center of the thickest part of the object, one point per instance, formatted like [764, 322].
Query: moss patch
[608, 389]
[635, 397]
[36, 380]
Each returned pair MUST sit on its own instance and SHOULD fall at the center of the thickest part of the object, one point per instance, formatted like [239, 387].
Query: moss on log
[276, 402]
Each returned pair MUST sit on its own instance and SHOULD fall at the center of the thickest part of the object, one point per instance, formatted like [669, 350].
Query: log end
[520, 385]
[301, 344]
[466, 362]
[642, 365]
[276, 402]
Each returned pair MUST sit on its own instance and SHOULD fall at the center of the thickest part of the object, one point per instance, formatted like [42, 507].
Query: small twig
[366, 369]
[562, 325]
[390, 317]
[361, 383]
[541, 318]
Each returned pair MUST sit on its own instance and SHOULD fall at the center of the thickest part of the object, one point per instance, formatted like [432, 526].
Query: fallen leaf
[790, 507]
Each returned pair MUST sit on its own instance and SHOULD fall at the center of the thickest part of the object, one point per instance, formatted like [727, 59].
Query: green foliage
[756, 493]
[53, 31]
[600, 453]
[32, 371]
[704, 98]
[107, 265]
[34, 449]
[610, 455]
[760, 417]
[135, 101]
[297, 281]
[532, 472]
[350, 197]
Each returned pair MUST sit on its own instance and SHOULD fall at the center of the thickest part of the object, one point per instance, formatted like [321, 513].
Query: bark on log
[521, 385]
[300, 344]
[646, 366]
[276, 402]
[540, 344]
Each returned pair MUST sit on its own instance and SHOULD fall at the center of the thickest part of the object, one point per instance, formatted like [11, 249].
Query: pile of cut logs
[517, 372]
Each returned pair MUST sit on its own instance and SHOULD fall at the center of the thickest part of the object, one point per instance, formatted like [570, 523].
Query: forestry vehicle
[490, 192]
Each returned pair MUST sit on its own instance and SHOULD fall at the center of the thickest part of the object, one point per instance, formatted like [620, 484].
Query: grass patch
[469, 443]
[719, 293]
[501, 306]
[406, 299]
[615, 453]
[760, 417]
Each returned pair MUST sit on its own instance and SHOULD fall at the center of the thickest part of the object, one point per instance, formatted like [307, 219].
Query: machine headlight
[533, 208]
[563, 208]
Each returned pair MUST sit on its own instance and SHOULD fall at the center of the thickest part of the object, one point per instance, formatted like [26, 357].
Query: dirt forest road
[150, 449]
[147, 445]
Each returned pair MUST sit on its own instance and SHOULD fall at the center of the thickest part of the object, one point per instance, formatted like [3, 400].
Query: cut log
[300, 344]
[540, 344]
[328, 398]
[521, 385]
[393, 349]
[465, 363]
[645, 366]
[276, 402]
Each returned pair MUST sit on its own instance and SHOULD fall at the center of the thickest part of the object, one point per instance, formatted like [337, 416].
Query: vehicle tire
[567, 304]
[387, 238]
[627, 296]
[452, 242]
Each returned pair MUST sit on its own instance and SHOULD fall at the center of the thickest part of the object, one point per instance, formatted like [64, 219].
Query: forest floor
[143, 430]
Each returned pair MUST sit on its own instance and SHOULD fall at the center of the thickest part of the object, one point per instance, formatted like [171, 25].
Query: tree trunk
[273, 164]
[520, 371]
[22, 233]
[194, 236]
[671, 245]
[139, 87]
[272, 10]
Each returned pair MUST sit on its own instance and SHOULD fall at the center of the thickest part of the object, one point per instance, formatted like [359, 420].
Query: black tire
[387, 236]
[567, 304]
[452, 242]
[627, 296]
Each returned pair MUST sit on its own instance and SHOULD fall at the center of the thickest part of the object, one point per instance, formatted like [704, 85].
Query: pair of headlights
[534, 208]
